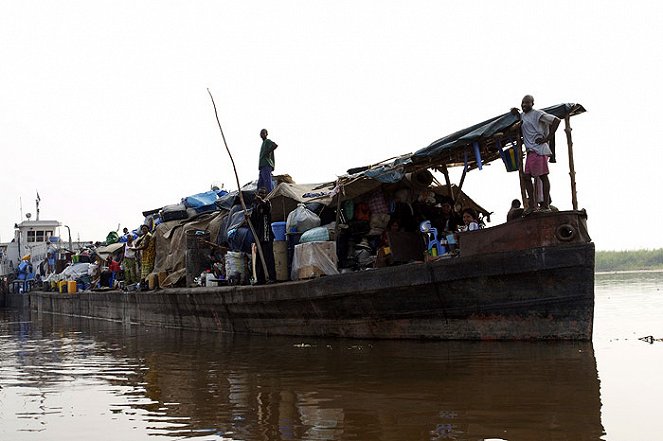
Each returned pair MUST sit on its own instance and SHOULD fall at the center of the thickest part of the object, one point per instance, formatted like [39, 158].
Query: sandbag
[315, 235]
[301, 219]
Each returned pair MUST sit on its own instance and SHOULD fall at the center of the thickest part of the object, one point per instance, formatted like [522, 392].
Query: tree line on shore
[629, 260]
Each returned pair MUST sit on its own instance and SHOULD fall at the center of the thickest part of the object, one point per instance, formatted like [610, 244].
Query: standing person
[261, 218]
[130, 276]
[51, 253]
[266, 162]
[114, 267]
[538, 129]
[146, 244]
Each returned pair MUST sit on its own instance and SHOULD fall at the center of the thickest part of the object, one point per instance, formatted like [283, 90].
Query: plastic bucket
[279, 230]
[62, 286]
[71, 287]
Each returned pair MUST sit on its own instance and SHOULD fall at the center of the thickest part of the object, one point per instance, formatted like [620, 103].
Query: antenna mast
[37, 203]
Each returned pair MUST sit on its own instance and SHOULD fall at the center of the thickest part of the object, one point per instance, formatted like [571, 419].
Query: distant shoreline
[629, 271]
[639, 260]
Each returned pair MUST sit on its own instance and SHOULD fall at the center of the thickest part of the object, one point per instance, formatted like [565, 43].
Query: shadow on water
[184, 384]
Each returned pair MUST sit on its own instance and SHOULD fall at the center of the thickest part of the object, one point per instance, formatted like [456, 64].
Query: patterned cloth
[148, 247]
[377, 203]
[130, 274]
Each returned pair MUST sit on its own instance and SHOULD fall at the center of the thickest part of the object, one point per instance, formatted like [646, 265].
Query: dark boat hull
[540, 293]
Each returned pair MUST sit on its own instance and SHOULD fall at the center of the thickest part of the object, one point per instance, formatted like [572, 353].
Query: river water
[76, 379]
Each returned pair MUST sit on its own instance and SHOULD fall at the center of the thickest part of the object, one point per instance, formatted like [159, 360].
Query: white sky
[104, 108]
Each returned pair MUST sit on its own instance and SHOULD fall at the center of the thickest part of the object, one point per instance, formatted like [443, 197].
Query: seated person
[392, 227]
[469, 220]
[515, 211]
[446, 219]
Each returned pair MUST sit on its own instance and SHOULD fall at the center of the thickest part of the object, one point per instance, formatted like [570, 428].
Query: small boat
[531, 278]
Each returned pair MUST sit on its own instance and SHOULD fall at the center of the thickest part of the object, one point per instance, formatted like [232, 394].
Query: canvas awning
[453, 149]
[108, 250]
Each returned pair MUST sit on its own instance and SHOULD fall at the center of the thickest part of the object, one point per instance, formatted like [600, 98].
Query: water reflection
[165, 384]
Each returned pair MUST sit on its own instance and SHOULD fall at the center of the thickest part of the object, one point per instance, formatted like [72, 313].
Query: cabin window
[40, 236]
[31, 236]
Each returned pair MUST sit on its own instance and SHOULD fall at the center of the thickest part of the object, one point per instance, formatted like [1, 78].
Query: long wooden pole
[572, 169]
[445, 172]
[521, 172]
[239, 190]
[460, 184]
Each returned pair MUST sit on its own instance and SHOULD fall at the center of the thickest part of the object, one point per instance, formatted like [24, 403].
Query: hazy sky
[104, 108]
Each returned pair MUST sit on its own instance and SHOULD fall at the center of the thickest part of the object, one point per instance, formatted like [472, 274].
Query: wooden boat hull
[542, 293]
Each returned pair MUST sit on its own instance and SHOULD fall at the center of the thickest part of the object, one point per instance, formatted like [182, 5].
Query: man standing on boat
[266, 162]
[261, 218]
[538, 128]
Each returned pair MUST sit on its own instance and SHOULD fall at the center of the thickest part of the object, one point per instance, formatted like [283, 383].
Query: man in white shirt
[538, 128]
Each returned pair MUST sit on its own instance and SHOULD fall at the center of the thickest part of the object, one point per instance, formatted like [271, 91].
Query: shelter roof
[453, 149]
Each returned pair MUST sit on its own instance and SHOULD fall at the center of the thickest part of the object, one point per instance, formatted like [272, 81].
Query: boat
[531, 278]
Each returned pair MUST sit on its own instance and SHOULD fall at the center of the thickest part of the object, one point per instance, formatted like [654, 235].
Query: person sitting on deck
[470, 220]
[515, 211]
[446, 220]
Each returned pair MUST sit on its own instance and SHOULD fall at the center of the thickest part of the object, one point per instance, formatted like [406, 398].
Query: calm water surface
[75, 379]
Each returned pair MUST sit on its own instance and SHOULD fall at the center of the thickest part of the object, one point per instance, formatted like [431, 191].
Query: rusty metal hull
[543, 292]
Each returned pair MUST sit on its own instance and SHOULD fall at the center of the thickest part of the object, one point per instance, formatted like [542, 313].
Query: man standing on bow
[538, 129]
[266, 162]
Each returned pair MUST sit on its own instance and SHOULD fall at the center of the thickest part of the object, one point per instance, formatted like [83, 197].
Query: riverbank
[638, 260]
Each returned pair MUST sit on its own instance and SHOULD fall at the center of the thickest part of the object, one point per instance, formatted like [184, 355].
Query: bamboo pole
[572, 169]
[338, 211]
[521, 171]
[445, 172]
[460, 183]
[239, 189]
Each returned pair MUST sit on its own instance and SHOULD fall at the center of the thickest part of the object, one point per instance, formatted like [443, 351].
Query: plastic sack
[237, 270]
[301, 219]
[316, 234]
[112, 237]
[314, 259]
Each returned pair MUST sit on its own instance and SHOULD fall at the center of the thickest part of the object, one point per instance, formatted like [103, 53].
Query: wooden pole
[338, 210]
[521, 168]
[460, 183]
[445, 172]
[241, 198]
[572, 169]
